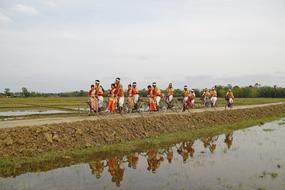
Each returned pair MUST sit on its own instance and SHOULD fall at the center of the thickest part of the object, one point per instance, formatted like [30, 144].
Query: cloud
[4, 18]
[50, 3]
[25, 9]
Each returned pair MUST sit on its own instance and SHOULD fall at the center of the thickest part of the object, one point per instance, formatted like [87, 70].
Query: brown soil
[34, 140]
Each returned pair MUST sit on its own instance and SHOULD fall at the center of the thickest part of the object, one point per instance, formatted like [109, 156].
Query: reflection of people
[186, 149]
[169, 154]
[211, 143]
[229, 139]
[133, 160]
[97, 168]
[116, 169]
[153, 159]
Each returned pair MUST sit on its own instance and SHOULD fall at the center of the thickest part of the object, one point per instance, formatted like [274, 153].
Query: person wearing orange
[157, 95]
[130, 98]
[119, 94]
[169, 96]
[185, 97]
[99, 92]
[152, 104]
[92, 99]
[112, 103]
[135, 94]
[230, 98]
[214, 97]
[207, 97]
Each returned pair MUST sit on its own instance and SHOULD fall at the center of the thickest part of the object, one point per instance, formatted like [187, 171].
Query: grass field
[73, 103]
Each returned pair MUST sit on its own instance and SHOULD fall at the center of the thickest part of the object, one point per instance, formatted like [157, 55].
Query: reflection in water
[186, 149]
[154, 158]
[97, 168]
[133, 160]
[211, 143]
[116, 169]
[229, 139]
[193, 164]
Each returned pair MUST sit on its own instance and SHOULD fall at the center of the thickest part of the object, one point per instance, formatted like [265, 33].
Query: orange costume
[93, 100]
[186, 97]
[230, 95]
[152, 104]
[130, 99]
[135, 91]
[119, 93]
[99, 90]
[112, 104]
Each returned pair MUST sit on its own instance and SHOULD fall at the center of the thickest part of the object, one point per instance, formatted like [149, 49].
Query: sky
[65, 45]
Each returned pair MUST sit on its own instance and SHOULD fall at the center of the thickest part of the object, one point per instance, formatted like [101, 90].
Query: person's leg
[136, 100]
[100, 103]
[121, 104]
[158, 102]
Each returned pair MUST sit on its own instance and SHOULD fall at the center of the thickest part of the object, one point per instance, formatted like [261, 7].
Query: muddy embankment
[33, 140]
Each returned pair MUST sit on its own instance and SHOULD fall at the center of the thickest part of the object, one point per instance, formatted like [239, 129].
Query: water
[30, 112]
[252, 158]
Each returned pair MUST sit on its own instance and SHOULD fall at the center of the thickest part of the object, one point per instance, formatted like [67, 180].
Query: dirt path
[57, 120]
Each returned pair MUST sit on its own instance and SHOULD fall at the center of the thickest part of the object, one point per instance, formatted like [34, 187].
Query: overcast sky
[64, 45]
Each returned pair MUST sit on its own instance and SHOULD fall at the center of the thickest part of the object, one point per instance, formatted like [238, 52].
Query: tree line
[255, 91]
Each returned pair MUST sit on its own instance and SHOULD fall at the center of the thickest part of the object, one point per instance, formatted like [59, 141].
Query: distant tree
[257, 85]
[82, 93]
[25, 92]
[7, 92]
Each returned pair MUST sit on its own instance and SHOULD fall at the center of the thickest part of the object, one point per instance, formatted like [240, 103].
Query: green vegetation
[251, 91]
[7, 166]
[73, 103]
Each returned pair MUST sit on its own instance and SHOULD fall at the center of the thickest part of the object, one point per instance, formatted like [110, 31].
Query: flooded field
[252, 158]
[30, 112]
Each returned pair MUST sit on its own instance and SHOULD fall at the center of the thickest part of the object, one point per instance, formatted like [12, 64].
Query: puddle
[31, 112]
[245, 159]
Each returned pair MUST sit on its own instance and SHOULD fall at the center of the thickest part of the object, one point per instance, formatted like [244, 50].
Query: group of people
[116, 97]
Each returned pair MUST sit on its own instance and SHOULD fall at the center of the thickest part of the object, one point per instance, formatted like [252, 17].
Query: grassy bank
[49, 160]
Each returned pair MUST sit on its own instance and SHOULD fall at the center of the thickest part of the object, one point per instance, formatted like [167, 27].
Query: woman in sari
[93, 103]
[152, 103]
[112, 99]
